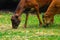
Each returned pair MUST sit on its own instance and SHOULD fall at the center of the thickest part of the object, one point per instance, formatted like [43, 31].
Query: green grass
[33, 30]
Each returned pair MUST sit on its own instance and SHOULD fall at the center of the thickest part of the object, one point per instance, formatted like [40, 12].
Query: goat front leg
[26, 20]
[37, 13]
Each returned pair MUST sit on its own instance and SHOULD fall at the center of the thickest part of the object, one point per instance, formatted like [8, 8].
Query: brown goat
[36, 4]
[52, 10]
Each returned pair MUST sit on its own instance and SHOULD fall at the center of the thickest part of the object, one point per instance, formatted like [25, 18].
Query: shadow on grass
[33, 26]
[54, 26]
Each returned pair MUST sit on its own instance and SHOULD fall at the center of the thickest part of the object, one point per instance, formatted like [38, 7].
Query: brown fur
[52, 10]
[29, 4]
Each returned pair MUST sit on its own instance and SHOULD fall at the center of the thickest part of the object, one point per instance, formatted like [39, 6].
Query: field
[33, 30]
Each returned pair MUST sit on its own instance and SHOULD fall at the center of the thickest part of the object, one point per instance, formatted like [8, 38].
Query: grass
[33, 30]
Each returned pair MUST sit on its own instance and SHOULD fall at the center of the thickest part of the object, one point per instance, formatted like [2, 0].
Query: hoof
[45, 26]
[14, 27]
[24, 26]
[40, 25]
